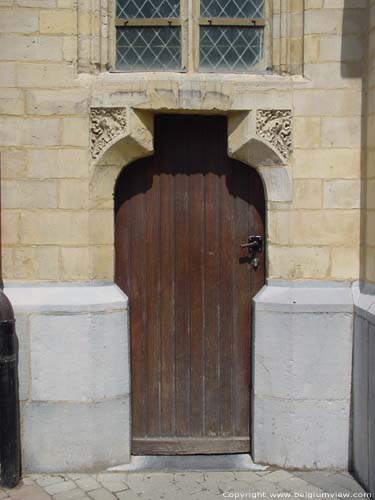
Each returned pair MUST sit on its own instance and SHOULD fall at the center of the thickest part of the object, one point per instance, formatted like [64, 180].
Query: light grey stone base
[302, 375]
[74, 376]
[75, 372]
[76, 436]
[363, 407]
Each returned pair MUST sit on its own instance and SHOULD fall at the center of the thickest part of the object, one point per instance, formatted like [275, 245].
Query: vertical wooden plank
[242, 302]
[152, 269]
[227, 253]
[196, 224]
[212, 255]
[182, 283]
[137, 294]
[167, 288]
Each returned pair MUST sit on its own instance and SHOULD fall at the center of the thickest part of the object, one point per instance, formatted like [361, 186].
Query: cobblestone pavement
[183, 486]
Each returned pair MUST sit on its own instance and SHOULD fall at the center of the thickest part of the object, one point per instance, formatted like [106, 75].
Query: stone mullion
[287, 27]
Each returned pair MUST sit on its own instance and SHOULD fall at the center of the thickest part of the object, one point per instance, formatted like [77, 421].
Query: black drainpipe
[10, 441]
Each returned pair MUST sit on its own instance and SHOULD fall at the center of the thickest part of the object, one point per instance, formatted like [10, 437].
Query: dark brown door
[181, 217]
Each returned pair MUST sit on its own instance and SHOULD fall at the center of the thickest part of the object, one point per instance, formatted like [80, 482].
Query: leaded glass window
[231, 34]
[152, 35]
[148, 35]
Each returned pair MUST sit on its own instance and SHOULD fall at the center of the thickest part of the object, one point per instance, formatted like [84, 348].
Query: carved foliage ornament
[105, 125]
[275, 126]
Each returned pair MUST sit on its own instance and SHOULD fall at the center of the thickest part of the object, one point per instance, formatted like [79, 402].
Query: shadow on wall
[355, 65]
[355, 26]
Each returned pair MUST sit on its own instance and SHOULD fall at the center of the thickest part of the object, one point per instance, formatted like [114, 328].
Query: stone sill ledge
[305, 296]
[171, 78]
[364, 301]
[66, 298]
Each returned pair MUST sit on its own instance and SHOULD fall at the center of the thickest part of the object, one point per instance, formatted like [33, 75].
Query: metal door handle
[251, 244]
[254, 244]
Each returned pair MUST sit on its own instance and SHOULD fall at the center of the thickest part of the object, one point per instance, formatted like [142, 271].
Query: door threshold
[190, 463]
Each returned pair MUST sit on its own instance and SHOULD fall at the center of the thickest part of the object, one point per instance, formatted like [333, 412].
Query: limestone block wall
[74, 376]
[363, 407]
[370, 157]
[57, 209]
[52, 229]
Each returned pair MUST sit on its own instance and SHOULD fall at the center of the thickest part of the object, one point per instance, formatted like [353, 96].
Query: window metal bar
[149, 22]
[227, 21]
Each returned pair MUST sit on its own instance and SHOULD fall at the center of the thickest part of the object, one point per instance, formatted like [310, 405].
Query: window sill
[147, 77]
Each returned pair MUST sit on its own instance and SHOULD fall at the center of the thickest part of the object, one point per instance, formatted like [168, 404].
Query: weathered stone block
[75, 131]
[313, 227]
[101, 227]
[12, 102]
[67, 102]
[7, 74]
[345, 263]
[342, 194]
[45, 75]
[327, 164]
[37, 262]
[360, 399]
[36, 48]
[58, 21]
[370, 194]
[337, 48]
[29, 132]
[307, 132]
[54, 228]
[76, 436]
[10, 227]
[327, 103]
[309, 359]
[36, 3]
[19, 20]
[58, 163]
[29, 194]
[298, 262]
[331, 21]
[291, 433]
[102, 262]
[307, 193]
[23, 335]
[341, 132]
[89, 348]
[370, 228]
[75, 263]
[7, 262]
[13, 163]
[73, 194]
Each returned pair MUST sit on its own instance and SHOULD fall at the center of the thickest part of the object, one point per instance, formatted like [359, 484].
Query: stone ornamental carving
[105, 125]
[275, 126]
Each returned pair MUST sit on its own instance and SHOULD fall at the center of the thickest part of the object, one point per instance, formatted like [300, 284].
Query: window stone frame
[283, 36]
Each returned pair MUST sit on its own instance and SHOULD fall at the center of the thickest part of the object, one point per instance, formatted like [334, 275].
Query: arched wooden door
[181, 217]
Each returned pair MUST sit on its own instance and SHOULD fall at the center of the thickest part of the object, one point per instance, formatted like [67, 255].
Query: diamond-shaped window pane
[230, 48]
[232, 8]
[148, 48]
[147, 9]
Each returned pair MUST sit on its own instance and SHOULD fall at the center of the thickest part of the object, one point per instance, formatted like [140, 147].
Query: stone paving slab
[269, 484]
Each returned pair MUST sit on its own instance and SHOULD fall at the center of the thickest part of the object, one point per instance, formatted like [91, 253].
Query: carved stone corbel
[105, 125]
[263, 140]
[275, 127]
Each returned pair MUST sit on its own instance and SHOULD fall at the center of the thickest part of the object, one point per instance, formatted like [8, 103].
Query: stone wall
[370, 163]
[363, 406]
[58, 180]
[52, 229]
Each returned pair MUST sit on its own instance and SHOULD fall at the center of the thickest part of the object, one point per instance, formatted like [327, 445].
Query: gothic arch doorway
[180, 219]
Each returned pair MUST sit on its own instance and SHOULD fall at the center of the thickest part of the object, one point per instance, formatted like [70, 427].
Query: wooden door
[181, 217]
